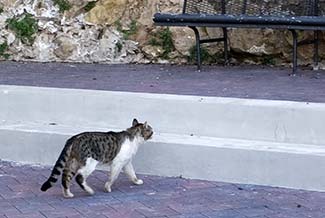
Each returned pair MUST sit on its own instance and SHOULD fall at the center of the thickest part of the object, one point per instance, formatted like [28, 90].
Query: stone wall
[122, 31]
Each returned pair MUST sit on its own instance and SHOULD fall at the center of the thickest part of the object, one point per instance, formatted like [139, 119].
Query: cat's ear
[145, 124]
[135, 122]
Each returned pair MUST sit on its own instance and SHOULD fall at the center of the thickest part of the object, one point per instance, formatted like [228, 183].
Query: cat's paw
[68, 194]
[107, 187]
[90, 191]
[138, 181]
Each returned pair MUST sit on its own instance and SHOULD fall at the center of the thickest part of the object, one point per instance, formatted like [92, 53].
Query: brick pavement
[158, 197]
[231, 81]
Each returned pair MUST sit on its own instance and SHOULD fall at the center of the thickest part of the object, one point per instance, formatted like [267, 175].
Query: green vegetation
[206, 57]
[90, 5]
[164, 39]
[154, 42]
[24, 27]
[64, 5]
[132, 29]
[119, 46]
[167, 42]
[268, 60]
[3, 50]
[1, 10]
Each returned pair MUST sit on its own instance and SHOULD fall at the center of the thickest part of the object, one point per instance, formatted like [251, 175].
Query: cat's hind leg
[66, 180]
[129, 171]
[84, 172]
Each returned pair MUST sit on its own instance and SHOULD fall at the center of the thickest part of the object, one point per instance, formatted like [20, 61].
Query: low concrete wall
[235, 140]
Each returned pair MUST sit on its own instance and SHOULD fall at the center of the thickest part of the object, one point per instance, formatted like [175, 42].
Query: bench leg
[316, 49]
[295, 49]
[198, 47]
[225, 36]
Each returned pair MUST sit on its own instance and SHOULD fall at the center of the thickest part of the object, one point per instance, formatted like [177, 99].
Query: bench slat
[240, 20]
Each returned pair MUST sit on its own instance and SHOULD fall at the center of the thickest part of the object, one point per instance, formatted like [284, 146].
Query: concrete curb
[275, 143]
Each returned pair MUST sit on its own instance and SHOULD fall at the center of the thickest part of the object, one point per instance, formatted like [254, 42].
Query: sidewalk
[255, 82]
[158, 197]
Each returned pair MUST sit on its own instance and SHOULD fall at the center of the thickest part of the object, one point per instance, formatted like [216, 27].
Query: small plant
[24, 27]
[3, 50]
[119, 46]
[164, 39]
[206, 57]
[118, 26]
[64, 5]
[90, 5]
[1, 10]
[268, 60]
[154, 42]
[133, 28]
[167, 42]
[127, 33]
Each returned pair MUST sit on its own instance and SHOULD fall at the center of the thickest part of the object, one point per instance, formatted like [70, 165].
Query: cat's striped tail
[58, 167]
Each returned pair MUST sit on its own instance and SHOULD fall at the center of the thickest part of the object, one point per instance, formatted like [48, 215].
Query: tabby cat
[84, 151]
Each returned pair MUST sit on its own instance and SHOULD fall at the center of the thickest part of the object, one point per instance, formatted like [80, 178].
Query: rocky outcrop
[107, 12]
[122, 31]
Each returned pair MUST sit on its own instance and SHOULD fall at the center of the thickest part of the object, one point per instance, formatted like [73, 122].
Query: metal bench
[292, 15]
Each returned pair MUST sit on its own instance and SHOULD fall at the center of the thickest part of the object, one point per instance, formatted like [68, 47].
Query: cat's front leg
[115, 171]
[129, 171]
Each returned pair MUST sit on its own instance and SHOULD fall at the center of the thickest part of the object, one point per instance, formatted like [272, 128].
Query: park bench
[291, 15]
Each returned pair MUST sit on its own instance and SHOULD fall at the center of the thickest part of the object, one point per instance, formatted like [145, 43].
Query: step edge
[188, 140]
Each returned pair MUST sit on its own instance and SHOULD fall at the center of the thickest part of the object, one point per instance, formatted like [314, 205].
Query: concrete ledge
[233, 140]
[281, 121]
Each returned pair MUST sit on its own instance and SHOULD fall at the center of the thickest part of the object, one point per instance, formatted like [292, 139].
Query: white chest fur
[128, 150]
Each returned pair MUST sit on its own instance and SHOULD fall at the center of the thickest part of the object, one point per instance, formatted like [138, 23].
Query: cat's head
[144, 129]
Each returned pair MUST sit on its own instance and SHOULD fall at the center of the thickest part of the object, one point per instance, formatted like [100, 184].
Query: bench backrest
[256, 7]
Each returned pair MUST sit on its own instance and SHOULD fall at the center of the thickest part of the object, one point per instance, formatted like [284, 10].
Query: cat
[84, 151]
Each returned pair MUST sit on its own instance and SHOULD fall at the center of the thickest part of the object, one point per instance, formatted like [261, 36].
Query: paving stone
[255, 211]
[27, 208]
[189, 208]
[230, 81]
[99, 200]
[127, 188]
[287, 215]
[217, 206]
[159, 197]
[197, 184]
[195, 215]
[128, 208]
[157, 211]
[224, 214]
[26, 215]
[127, 205]
[88, 216]
[133, 197]
[9, 210]
[62, 212]
[254, 203]
[4, 204]
[313, 214]
[126, 214]
[95, 211]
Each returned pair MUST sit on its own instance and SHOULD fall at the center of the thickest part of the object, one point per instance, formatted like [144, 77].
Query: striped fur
[58, 167]
[84, 151]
